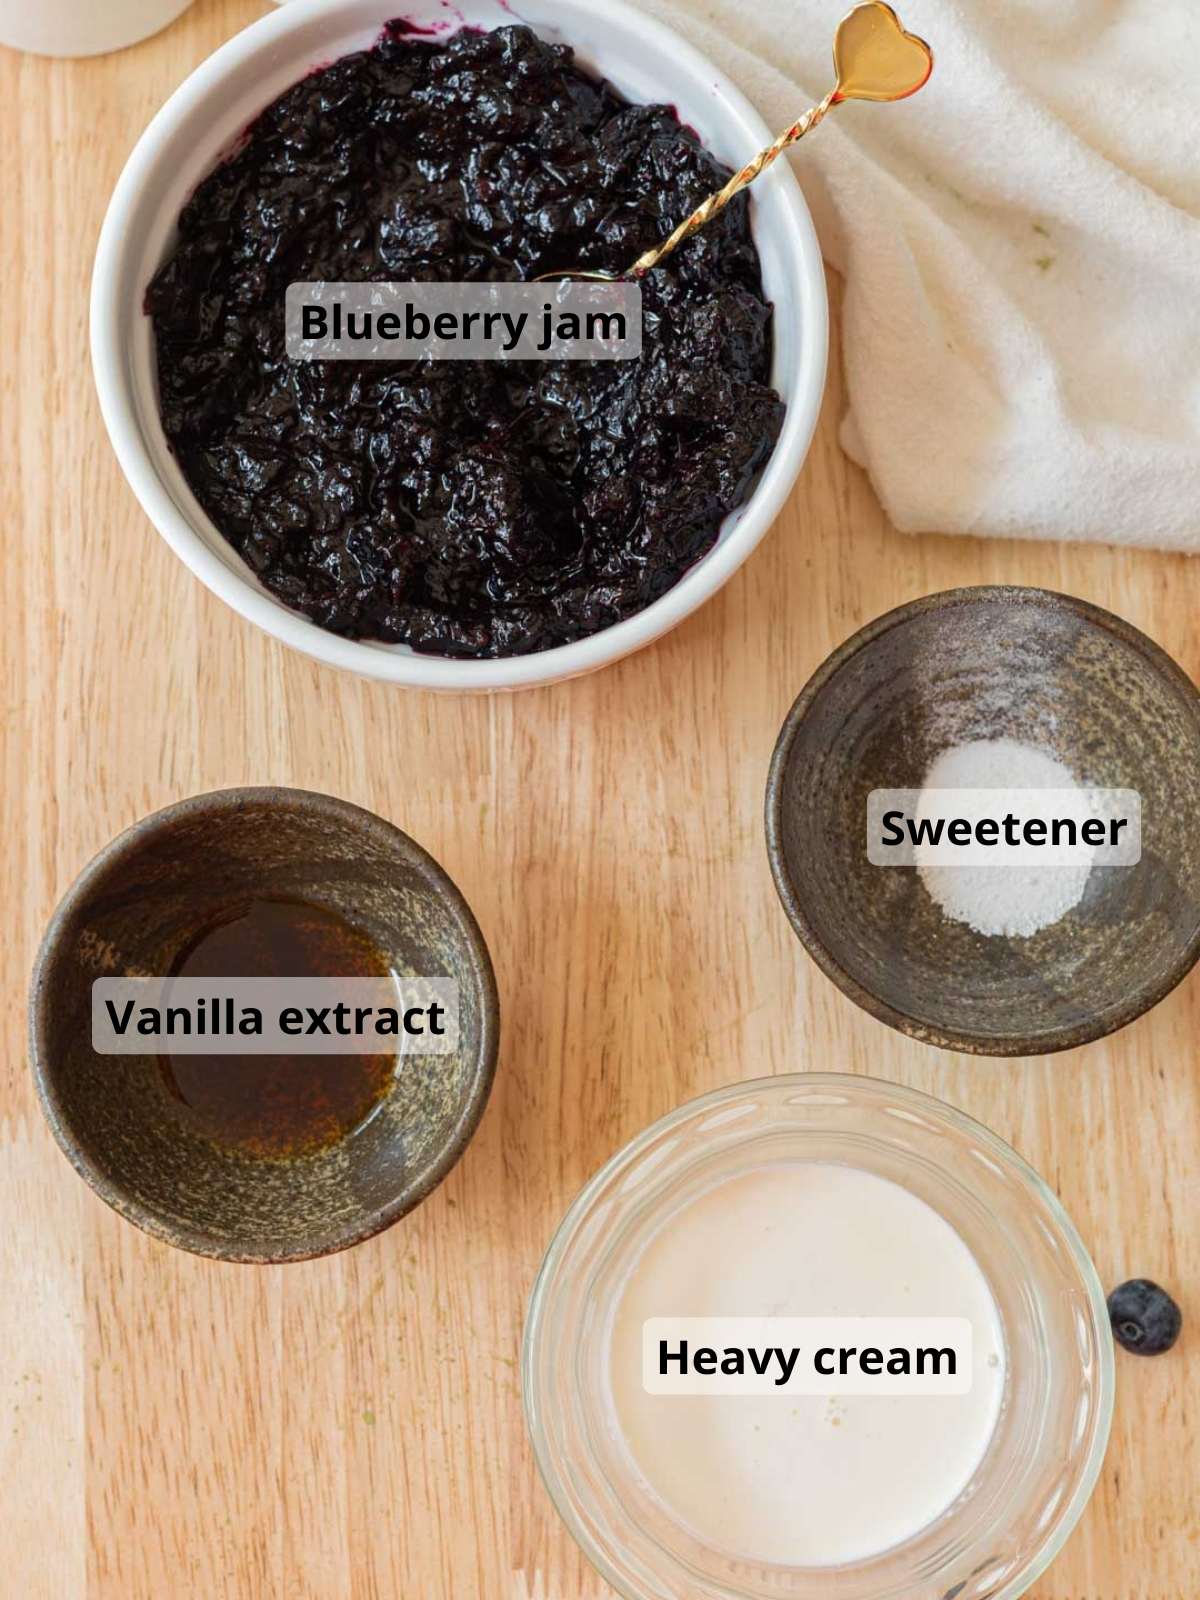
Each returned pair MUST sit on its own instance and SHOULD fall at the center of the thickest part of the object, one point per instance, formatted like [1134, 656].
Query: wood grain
[174, 1427]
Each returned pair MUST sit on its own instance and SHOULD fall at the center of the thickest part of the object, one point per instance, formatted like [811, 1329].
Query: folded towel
[1021, 249]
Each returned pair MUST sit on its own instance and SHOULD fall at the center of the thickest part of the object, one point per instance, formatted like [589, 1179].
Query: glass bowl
[1046, 1452]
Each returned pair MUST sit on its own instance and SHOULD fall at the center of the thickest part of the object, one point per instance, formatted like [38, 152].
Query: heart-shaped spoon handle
[873, 58]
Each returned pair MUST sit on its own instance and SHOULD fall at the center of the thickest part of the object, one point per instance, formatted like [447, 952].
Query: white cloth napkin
[1021, 249]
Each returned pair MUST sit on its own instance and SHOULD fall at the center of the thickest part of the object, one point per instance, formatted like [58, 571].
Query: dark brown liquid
[278, 1105]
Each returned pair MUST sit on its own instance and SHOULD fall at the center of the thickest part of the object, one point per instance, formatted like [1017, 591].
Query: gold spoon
[873, 59]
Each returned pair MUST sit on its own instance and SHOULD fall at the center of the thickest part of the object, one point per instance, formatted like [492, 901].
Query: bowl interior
[206, 118]
[1018, 664]
[132, 913]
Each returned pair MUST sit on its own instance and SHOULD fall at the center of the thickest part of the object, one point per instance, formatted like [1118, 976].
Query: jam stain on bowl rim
[646, 63]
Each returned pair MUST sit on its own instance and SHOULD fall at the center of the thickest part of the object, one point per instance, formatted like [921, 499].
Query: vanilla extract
[274, 1106]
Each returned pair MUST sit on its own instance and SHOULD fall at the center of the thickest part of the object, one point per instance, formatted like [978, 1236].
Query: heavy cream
[806, 1479]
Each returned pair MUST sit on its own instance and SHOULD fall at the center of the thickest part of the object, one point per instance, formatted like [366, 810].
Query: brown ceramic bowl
[133, 909]
[976, 664]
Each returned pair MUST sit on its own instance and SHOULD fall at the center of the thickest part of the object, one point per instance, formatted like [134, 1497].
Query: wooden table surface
[176, 1429]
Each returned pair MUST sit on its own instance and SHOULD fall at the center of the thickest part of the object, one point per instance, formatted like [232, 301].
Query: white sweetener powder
[1013, 900]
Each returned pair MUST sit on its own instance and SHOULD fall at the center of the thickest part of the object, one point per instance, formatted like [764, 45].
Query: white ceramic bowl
[204, 118]
[83, 27]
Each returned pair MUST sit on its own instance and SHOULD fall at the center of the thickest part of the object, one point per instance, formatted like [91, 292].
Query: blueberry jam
[464, 508]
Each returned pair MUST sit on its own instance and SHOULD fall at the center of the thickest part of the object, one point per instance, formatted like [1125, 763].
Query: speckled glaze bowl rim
[1051, 1040]
[678, 74]
[215, 803]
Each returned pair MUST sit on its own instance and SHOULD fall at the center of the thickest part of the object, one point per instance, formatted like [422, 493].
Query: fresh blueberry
[1144, 1317]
